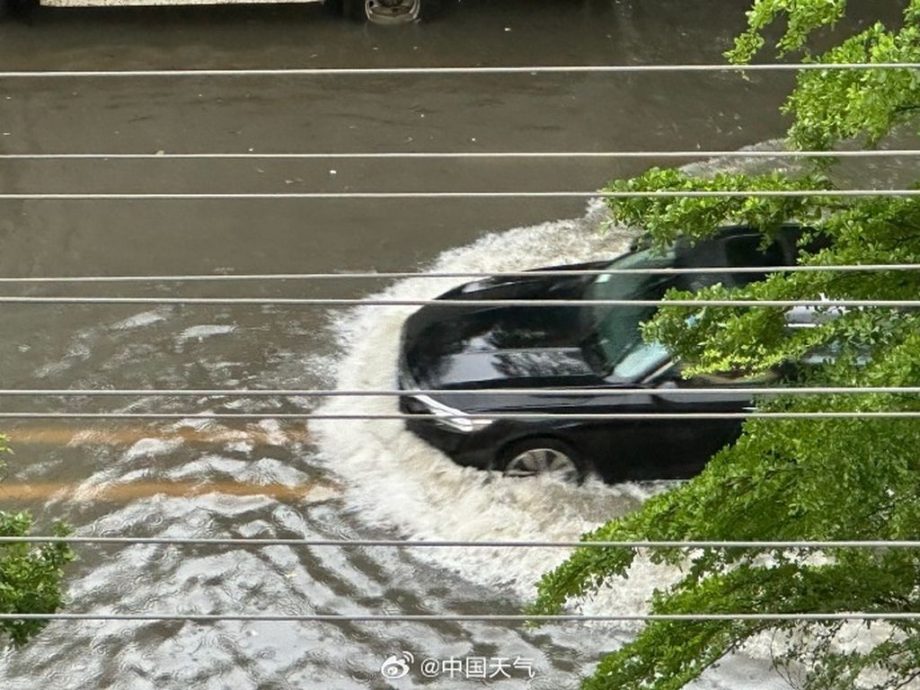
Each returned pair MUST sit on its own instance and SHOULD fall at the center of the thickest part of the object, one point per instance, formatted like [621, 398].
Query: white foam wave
[204, 331]
[393, 479]
[145, 318]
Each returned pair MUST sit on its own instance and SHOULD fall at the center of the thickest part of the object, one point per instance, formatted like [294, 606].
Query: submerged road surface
[198, 478]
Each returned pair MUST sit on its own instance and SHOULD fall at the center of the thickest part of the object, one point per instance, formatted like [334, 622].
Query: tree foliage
[30, 576]
[790, 479]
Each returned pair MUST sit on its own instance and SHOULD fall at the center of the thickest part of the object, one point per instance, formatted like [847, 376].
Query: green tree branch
[791, 479]
[30, 576]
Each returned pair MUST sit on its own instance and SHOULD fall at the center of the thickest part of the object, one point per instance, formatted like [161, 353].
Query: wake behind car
[576, 351]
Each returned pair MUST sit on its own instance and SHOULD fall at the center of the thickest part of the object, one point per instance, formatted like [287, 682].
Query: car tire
[543, 456]
[362, 11]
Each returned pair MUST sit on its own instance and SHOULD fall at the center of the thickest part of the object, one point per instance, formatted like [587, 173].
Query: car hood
[509, 368]
[488, 345]
[497, 347]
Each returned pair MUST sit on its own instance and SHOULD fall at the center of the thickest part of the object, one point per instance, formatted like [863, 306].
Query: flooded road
[330, 480]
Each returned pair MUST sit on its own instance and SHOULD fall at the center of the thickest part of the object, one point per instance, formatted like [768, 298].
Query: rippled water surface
[328, 480]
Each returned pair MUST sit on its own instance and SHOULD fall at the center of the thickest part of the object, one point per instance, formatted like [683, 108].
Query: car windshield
[615, 346]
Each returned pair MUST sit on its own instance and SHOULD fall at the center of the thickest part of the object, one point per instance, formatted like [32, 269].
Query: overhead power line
[327, 393]
[519, 416]
[462, 70]
[459, 618]
[474, 155]
[255, 542]
[393, 275]
[663, 194]
[394, 302]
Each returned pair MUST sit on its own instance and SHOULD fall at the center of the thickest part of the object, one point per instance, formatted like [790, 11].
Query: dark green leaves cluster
[30, 576]
[833, 105]
[803, 16]
[791, 479]
[863, 105]
[666, 218]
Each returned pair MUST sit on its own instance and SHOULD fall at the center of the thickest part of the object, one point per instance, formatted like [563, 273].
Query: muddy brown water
[335, 480]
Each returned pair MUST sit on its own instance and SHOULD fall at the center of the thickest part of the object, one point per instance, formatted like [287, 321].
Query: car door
[687, 443]
[690, 440]
[620, 449]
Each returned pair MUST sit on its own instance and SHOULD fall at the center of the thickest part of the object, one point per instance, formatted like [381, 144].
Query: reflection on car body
[577, 349]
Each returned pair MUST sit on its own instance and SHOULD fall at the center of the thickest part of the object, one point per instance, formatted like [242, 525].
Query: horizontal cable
[255, 542]
[386, 302]
[393, 275]
[424, 155]
[520, 416]
[472, 70]
[664, 194]
[457, 618]
[328, 393]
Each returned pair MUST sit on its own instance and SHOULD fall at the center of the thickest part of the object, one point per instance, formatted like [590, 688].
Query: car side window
[643, 358]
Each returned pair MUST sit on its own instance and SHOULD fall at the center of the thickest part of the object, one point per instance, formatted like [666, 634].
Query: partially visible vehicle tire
[390, 12]
[543, 456]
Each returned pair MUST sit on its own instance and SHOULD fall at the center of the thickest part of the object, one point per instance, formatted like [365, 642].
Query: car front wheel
[388, 11]
[543, 456]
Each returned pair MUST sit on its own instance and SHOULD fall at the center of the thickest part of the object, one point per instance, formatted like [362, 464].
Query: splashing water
[395, 479]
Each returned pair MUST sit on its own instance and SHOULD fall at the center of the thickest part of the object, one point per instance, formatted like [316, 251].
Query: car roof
[787, 231]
